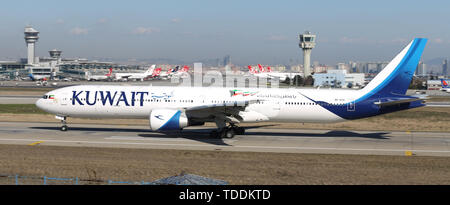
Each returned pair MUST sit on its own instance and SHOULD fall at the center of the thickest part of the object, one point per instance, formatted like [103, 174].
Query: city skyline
[250, 32]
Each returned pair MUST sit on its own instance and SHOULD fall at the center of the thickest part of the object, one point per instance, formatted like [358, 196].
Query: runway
[19, 99]
[256, 139]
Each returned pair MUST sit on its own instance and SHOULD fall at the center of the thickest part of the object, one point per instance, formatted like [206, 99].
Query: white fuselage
[98, 77]
[138, 76]
[284, 105]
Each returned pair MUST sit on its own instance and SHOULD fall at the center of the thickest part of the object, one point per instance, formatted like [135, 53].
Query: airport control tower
[307, 43]
[55, 53]
[31, 36]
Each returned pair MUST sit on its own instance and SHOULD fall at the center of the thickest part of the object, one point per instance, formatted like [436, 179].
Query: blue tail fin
[395, 78]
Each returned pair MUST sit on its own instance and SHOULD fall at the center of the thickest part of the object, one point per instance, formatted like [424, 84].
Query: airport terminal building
[54, 65]
[338, 78]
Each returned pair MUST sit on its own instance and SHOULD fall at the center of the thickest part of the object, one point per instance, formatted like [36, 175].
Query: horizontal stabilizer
[395, 101]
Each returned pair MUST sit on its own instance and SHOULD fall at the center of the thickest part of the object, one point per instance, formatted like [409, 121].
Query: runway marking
[238, 146]
[36, 143]
[163, 139]
[408, 153]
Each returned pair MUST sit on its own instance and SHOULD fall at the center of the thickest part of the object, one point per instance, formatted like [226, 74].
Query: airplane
[267, 73]
[137, 76]
[174, 73]
[174, 108]
[179, 73]
[168, 73]
[38, 77]
[91, 77]
[445, 86]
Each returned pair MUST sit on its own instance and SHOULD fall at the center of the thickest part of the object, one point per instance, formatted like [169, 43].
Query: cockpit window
[45, 96]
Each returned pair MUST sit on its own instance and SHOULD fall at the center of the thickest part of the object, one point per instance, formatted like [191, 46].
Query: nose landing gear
[64, 123]
[64, 128]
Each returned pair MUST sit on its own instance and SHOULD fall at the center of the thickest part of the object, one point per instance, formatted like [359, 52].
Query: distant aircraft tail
[252, 70]
[444, 83]
[261, 69]
[156, 72]
[185, 68]
[175, 69]
[264, 70]
[109, 73]
[31, 77]
[150, 69]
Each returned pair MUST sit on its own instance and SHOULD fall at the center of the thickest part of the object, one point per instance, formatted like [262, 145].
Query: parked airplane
[173, 108]
[174, 73]
[179, 73]
[107, 76]
[41, 80]
[165, 76]
[135, 76]
[38, 77]
[267, 73]
[445, 86]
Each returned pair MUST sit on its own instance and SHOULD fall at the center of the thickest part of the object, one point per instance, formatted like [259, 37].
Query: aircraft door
[351, 106]
[64, 99]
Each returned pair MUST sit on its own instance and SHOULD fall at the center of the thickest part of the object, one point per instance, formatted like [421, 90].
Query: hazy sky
[250, 31]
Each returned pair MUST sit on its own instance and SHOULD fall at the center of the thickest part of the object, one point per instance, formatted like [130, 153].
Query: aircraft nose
[40, 104]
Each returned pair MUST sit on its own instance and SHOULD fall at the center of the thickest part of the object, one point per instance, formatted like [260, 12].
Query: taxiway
[256, 139]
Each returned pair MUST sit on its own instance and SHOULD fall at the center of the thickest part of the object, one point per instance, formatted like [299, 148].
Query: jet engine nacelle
[167, 119]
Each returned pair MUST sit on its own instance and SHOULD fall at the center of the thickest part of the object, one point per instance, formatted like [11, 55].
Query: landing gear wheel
[64, 128]
[229, 133]
[63, 122]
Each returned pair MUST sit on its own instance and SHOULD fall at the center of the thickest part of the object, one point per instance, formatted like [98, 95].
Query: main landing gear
[227, 132]
[64, 123]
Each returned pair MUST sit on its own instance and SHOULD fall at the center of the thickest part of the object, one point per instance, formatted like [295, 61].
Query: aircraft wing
[236, 105]
[228, 111]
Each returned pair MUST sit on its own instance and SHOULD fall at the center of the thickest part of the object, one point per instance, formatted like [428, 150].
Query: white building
[322, 68]
[421, 69]
[338, 78]
[434, 84]
[343, 66]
